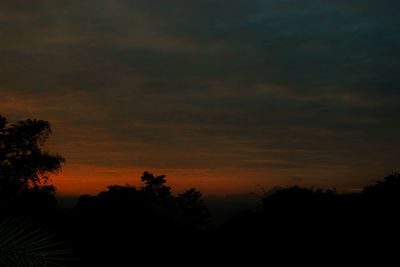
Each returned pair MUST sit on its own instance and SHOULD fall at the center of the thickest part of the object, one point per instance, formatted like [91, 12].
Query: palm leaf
[24, 245]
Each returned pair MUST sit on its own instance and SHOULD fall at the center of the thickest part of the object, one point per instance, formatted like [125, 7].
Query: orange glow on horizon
[82, 179]
[78, 179]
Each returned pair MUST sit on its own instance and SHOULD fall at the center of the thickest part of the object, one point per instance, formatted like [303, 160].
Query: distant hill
[223, 208]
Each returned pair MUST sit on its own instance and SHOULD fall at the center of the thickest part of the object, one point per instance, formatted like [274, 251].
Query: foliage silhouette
[191, 210]
[141, 217]
[152, 203]
[25, 166]
[25, 193]
[387, 189]
[22, 244]
[325, 216]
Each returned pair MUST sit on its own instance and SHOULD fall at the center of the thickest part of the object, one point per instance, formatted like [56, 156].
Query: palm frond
[24, 245]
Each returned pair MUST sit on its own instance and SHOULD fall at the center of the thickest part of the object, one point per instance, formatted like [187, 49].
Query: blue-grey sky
[224, 95]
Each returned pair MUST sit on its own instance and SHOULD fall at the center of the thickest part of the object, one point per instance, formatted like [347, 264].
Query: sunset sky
[225, 96]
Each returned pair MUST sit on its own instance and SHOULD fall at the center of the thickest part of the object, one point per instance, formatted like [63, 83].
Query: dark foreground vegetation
[148, 225]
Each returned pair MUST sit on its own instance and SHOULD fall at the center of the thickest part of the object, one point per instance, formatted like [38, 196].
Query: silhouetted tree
[386, 189]
[191, 210]
[380, 203]
[152, 205]
[146, 217]
[25, 166]
[156, 186]
[160, 226]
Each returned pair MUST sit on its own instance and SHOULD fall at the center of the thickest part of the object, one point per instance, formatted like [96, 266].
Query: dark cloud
[278, 84]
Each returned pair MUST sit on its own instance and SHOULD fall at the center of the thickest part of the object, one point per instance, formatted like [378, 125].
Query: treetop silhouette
[24, 164]
[151, 205]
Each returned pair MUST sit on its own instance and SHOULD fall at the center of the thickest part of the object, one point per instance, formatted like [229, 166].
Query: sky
[226, 96]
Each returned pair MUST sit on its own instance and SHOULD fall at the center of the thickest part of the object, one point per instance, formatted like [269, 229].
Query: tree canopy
[24, 164]
[150, 206]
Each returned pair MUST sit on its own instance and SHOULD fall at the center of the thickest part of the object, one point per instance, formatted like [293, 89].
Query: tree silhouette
[191, 209]
[24, 165]
[381, 203]
[156, 185]
[152, 206]
[148, 218]
[388, 188]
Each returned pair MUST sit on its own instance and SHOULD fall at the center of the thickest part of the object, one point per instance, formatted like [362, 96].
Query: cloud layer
[303, 88]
